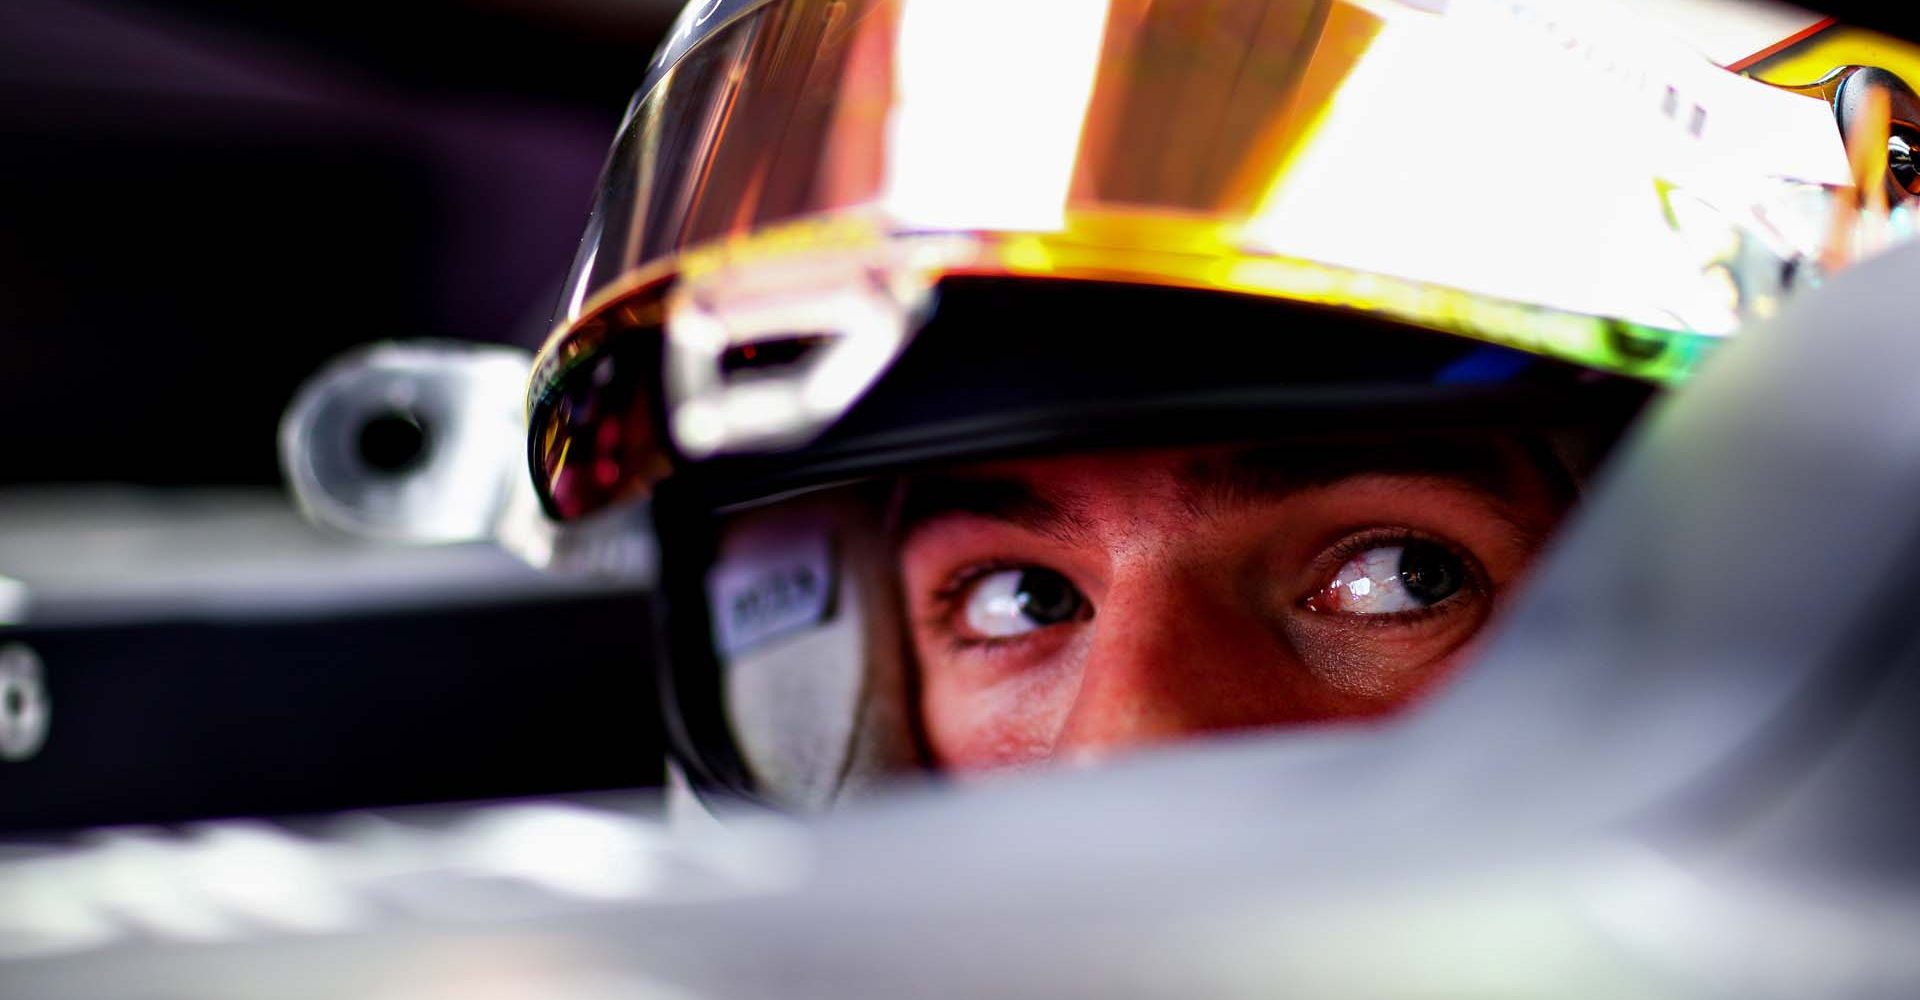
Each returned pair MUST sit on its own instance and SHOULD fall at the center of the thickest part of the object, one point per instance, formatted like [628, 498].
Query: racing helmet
[839, 241]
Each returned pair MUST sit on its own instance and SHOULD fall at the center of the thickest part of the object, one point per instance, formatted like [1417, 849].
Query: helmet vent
[771, 356]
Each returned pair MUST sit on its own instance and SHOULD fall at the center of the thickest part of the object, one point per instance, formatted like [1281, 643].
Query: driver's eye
[1395, 579]
[1010, 602]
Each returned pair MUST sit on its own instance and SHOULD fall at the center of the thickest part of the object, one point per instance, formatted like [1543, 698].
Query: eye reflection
[1010, 602]
[1393, 579]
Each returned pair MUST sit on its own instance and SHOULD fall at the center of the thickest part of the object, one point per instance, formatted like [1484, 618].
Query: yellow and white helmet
[839, 239]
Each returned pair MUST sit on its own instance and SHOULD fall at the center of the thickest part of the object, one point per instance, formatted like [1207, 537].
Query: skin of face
[1072, 608]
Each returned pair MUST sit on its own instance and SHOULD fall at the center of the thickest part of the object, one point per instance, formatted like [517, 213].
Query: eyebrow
[1056, 514]
[1277, 472]
[1213, 483]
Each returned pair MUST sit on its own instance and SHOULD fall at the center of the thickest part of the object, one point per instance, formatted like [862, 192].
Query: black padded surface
[163, 722]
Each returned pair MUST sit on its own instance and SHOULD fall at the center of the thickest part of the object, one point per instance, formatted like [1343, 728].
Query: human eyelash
[1362, 540]
[949, 604]
[947, 599]
[957, 582]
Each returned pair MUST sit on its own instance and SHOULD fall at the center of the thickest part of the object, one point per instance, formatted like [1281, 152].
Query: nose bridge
[1174, 653]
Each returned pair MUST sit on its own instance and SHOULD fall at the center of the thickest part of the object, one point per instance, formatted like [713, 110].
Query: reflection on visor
[592, 436]
[1365, 136]
[1325, 153]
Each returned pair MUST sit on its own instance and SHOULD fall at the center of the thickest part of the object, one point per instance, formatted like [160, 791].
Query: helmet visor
[1380, 137]
[799, 176]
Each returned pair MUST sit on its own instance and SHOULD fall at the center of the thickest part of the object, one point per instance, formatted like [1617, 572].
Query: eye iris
[1046, 597]
[1429, 574]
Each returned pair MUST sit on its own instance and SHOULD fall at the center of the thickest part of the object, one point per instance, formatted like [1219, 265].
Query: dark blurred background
[201, 202]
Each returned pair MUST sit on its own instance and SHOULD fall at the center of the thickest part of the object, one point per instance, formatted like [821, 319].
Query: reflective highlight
[1554, 181]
